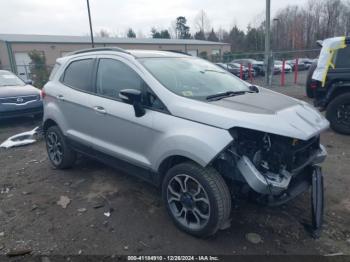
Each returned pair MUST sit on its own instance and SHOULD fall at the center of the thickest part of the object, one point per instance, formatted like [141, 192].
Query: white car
[187, 126]
[287, 67]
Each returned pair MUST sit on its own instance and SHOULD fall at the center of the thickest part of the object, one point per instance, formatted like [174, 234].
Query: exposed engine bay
[269, 163]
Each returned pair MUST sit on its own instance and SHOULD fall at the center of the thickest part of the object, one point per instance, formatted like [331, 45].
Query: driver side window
[114, 76]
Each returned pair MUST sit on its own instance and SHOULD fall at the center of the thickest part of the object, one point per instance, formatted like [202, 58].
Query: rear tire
[60, 154]
[338, 114]
[197, 199]
[310, 92]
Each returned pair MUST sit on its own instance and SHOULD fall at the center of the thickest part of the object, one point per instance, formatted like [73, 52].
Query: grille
[19, 99]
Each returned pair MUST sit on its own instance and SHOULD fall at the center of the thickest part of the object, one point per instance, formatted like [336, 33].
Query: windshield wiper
[226, 94]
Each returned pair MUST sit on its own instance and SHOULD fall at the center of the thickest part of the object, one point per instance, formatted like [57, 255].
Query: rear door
[74, 97]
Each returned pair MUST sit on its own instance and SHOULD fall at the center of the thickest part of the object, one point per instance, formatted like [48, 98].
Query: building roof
[23, 38]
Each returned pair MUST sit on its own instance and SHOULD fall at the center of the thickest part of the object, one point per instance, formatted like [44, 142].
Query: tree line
[293, 28]
[296, 27]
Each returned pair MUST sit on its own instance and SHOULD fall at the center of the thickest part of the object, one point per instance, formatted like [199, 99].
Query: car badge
[19, 100]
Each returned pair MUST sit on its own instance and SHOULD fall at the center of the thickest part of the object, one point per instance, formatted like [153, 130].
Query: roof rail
[88, 50]
[178, 52]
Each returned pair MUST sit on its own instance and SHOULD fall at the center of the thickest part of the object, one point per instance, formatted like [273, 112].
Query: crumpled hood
[266, 111]
[13, 91]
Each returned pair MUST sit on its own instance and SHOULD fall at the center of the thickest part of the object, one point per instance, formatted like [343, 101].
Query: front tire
[60, 154]
[197, 199]
[338, 114]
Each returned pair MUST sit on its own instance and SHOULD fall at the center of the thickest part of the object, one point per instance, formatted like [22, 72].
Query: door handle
[100, 109]
[60, 97]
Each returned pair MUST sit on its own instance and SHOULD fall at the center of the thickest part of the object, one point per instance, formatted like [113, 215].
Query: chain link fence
[289, 67]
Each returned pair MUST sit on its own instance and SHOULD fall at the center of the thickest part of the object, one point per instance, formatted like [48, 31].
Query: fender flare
[336, 89]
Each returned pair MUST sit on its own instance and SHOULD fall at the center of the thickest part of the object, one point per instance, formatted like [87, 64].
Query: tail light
[42, 93]
[313, 85]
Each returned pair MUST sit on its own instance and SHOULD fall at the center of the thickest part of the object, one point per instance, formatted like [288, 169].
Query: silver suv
[186, 125]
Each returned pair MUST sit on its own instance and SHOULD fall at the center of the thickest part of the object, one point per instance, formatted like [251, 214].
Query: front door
[118, 131]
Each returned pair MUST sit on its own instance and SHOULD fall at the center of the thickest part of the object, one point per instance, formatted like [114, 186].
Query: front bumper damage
[270, 183]
[277, 189]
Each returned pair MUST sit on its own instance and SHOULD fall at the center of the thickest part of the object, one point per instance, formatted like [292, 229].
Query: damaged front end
[275, 167]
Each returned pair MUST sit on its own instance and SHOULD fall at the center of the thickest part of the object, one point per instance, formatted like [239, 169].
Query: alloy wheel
[343, 115]
[188, 202]
[54, 147]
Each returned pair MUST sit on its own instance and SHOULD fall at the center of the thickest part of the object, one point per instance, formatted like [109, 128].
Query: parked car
[256, 68]
[259, 67]
[234, 70]
[188, 127]
[307, 61]
[279, 65]
[331, 85]
[18, 98]
[237, 67]
[301, 65]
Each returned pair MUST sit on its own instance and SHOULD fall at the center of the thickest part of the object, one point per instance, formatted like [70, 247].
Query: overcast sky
[69, 17]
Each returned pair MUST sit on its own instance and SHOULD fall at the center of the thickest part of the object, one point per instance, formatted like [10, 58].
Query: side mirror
[28, 82]
[133, 97]
[254, 89]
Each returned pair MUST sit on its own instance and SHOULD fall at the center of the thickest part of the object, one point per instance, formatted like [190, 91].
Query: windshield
[9, 79]
[193, 77]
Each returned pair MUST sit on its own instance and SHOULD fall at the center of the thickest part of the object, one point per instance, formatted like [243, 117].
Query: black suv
[334, 96]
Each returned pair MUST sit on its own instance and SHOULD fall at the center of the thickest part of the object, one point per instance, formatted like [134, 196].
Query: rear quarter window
[54, 70]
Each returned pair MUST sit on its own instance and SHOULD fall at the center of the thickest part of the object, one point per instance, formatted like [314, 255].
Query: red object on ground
[250, 73]
[241, 72]
[283, 73]
[296, 67]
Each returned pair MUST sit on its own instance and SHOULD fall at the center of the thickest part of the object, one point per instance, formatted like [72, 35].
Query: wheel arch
[171, 161]
[48, 123]
[336, 90]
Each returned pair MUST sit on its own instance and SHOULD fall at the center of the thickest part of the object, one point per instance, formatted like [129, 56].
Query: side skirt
[137, 171]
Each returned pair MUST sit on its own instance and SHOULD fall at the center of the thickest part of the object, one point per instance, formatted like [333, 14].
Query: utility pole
[267, 45]
[91, 34]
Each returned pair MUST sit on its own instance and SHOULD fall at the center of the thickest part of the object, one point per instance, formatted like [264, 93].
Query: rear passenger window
[78, 74]
[114, 76]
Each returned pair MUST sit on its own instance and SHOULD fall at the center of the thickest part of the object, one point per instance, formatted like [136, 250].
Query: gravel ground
[31, 219]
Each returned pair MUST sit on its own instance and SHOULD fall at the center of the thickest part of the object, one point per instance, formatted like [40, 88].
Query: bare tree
[202, 22]
[300, 27]
[102, 33]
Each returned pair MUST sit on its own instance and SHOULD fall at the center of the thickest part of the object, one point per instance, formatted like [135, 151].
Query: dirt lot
[30, 217]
